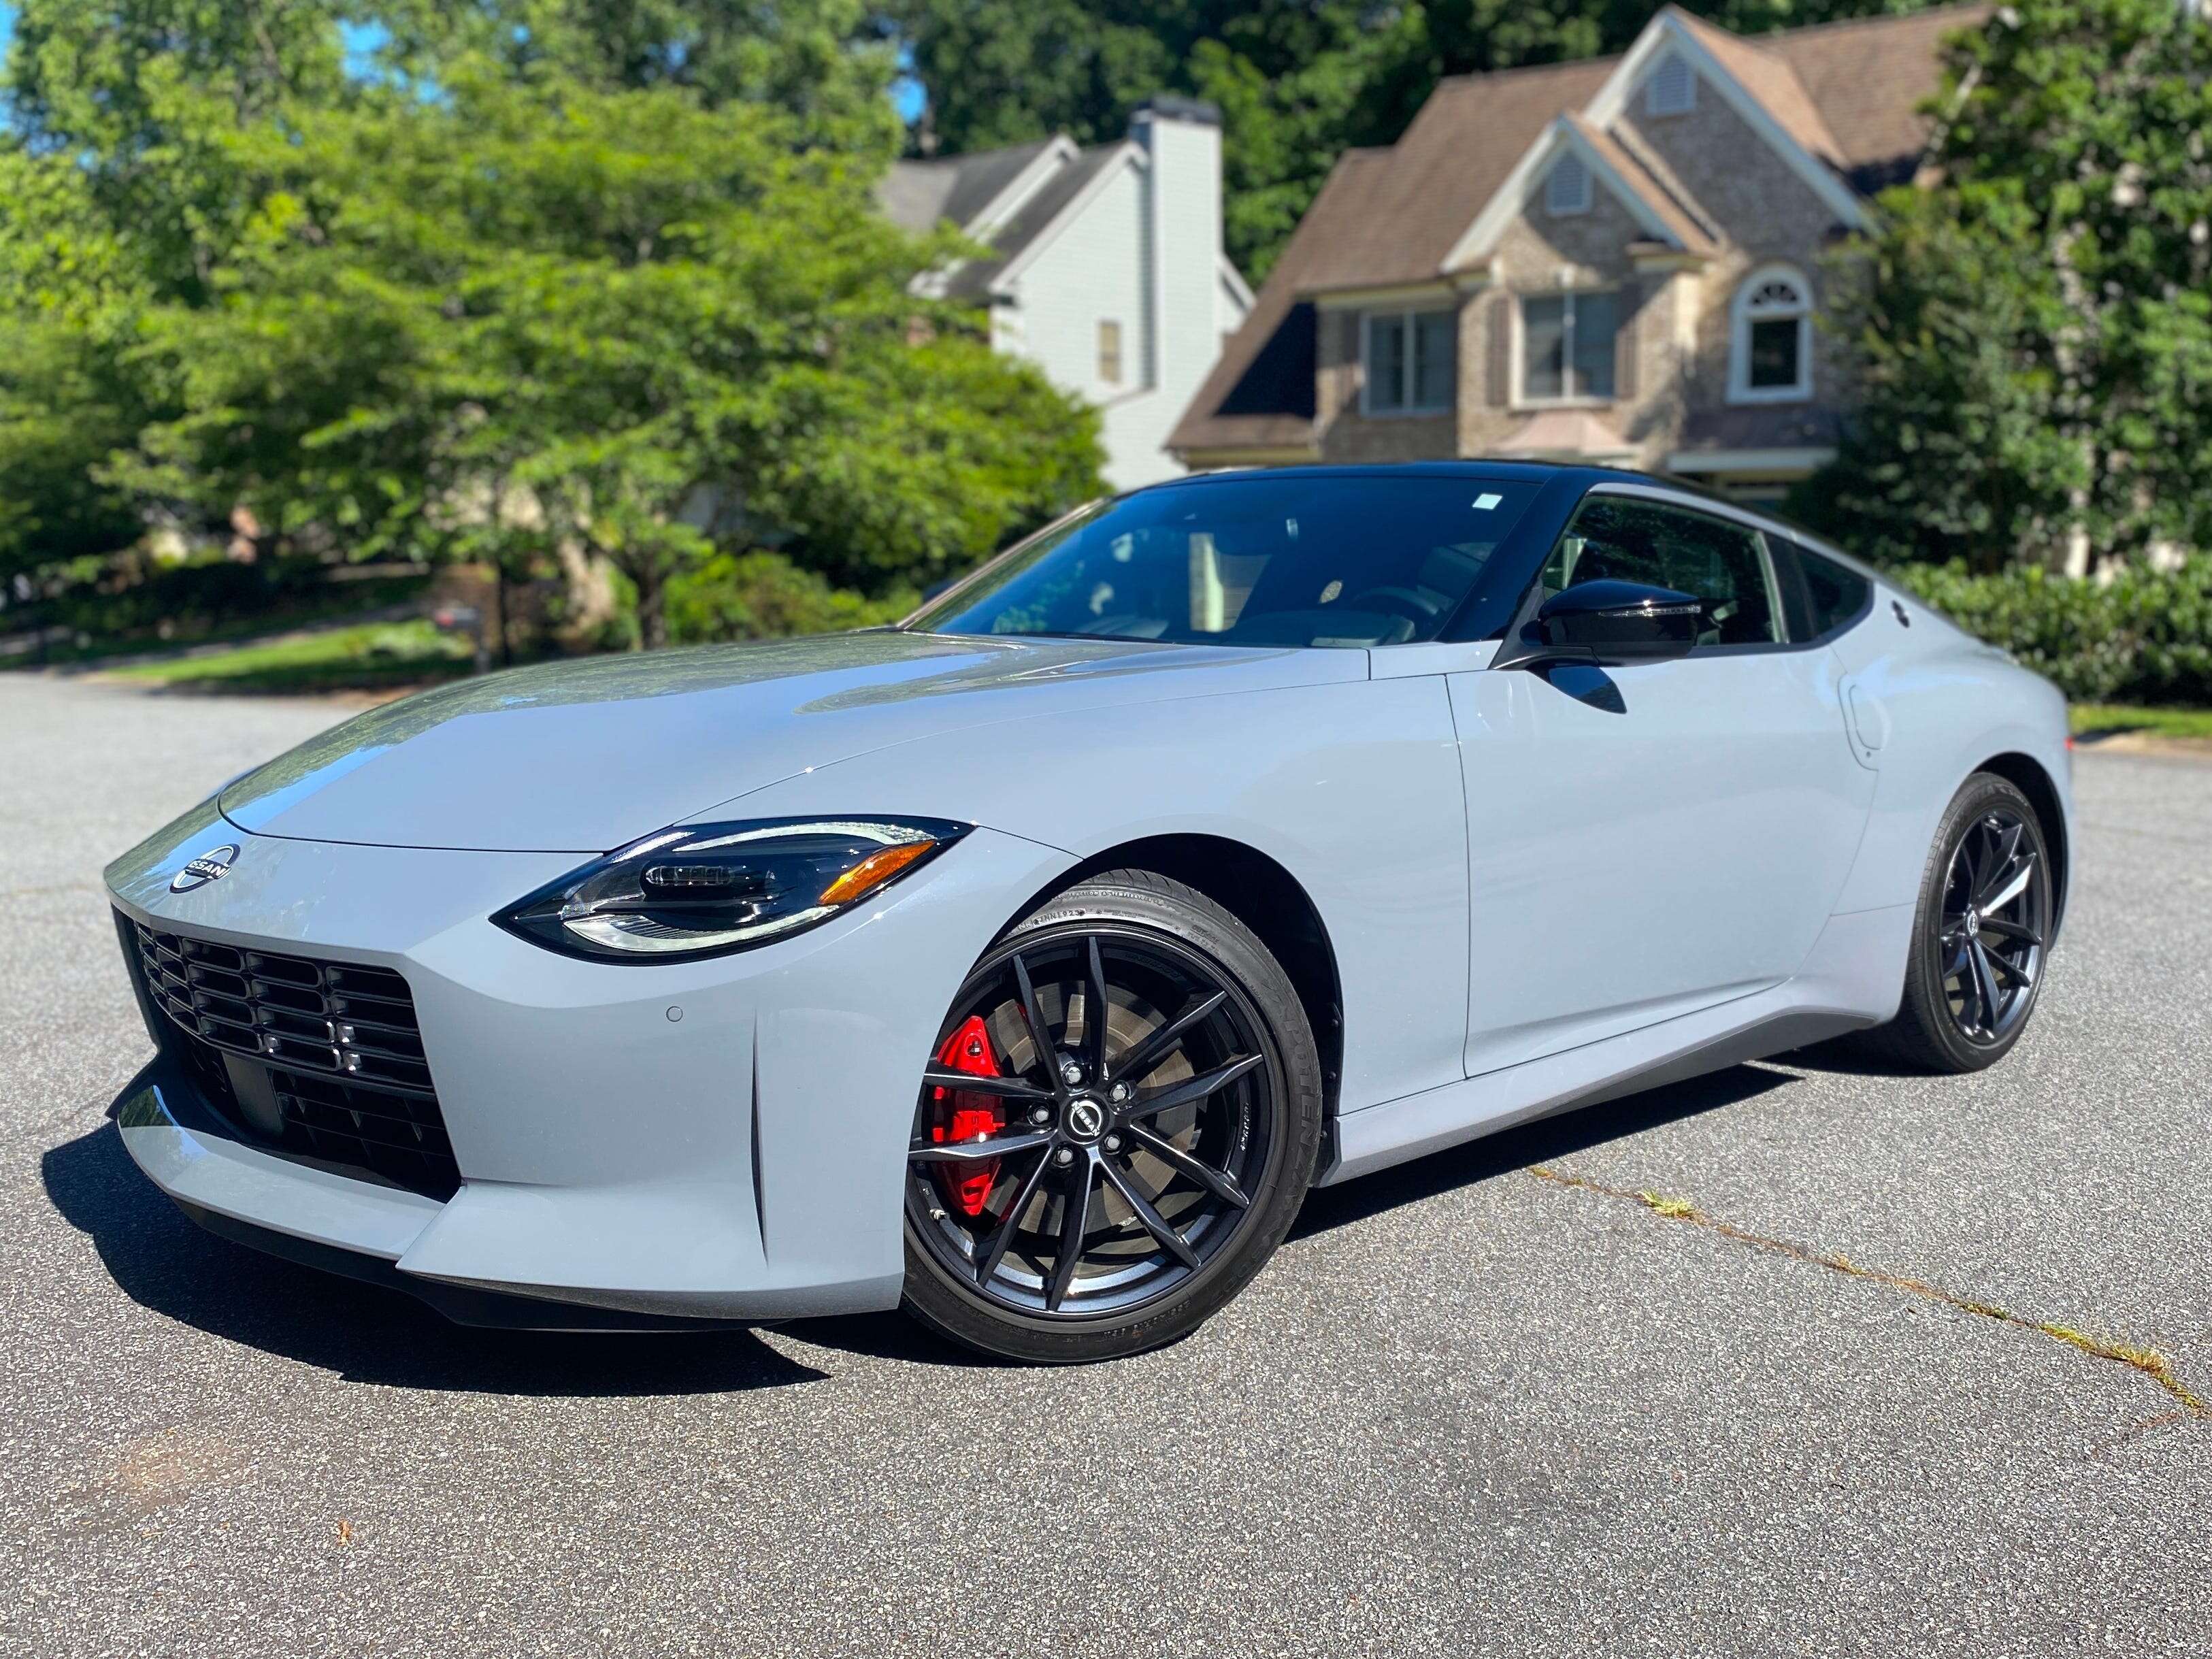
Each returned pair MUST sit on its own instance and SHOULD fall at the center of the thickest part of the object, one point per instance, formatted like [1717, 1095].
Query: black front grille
[339, 1043]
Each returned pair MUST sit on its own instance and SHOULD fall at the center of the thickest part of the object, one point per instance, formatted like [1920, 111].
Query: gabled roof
[1028, 227]
[918, 195]
[1013, 200]
[1771, 80]
[1840, 102]
[1662, 218]
[1856, 70]
[1417, 197]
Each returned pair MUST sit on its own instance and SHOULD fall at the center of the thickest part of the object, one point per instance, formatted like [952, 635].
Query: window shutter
[1499, 351]
[1623, 342]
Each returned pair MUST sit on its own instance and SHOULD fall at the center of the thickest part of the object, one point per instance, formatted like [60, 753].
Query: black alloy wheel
[1115, 1130]
[1982, 934]
[1994, 925]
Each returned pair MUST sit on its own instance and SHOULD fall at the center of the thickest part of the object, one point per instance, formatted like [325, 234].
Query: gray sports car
[1026, 962]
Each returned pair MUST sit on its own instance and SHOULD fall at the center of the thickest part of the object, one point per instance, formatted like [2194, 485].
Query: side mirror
[1610, 622]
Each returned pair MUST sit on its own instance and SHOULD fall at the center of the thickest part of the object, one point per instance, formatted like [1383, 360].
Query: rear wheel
[1981, 935]
[1116, 1127]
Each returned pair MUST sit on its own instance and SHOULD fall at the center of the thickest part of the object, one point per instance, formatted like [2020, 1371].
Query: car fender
[1353, 788]
[1949, 704]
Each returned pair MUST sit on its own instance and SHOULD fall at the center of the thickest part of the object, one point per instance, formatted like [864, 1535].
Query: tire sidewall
[1981, 793]
[1139, 904]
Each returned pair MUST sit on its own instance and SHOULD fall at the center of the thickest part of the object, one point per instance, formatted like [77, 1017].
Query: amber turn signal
[873, 871]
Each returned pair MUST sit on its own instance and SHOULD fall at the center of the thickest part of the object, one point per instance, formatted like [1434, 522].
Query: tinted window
[1835, 594]
[1266, 560]
[1722, 563]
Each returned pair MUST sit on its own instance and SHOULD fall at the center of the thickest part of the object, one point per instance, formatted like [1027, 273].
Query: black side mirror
[1609, 621]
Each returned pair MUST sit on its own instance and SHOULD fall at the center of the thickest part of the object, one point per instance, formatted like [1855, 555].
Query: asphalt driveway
[1758, 1364]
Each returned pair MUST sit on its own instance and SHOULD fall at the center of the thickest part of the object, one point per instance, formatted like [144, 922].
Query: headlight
[706, 889]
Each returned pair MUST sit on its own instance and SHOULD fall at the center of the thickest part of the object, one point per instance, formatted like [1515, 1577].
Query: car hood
[583, 756]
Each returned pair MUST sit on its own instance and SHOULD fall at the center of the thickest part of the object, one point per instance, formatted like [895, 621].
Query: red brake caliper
[963, 1116]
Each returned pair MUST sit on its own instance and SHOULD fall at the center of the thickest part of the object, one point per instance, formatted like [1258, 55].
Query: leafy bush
[764, 596]
[2144, 637]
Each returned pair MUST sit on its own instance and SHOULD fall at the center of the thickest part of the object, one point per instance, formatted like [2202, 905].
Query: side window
[1836, 595]
[1724, 564]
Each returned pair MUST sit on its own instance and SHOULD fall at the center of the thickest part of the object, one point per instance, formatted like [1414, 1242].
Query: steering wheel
[1398, 602]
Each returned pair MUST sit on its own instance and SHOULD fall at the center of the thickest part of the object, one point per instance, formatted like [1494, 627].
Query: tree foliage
[1298, 80]
[2036, 331]
[605, 280]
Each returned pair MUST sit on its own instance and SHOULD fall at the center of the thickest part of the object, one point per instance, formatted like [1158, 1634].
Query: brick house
[1614, 261]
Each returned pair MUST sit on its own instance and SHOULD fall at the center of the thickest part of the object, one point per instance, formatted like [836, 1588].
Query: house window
[1566, 346]
[1770, 355]
[1109, 353]
[1567, 186]
[1673, 88]
[1408, 361]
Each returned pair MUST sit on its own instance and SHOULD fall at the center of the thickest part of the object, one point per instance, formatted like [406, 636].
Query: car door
[1646, 840]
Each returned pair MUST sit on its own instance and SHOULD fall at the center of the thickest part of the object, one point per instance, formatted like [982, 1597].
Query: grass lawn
[367, 658]
[2090, 718]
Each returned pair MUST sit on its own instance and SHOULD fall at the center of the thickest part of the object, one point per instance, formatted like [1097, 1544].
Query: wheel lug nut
[1064, 1155]
[1040, 1116]
[1120, 1091]
[1070, 1071]
[1113, 1143]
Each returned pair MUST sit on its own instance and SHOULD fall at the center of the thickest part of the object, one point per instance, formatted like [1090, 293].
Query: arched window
[1770, 348]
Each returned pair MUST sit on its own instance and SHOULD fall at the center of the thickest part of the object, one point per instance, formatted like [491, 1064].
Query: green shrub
[2144, 637]
[764, 596]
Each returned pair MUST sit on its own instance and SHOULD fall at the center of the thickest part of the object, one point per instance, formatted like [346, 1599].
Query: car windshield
[1265, 560]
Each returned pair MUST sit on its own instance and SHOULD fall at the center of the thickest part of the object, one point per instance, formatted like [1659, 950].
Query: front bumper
[716, 1140]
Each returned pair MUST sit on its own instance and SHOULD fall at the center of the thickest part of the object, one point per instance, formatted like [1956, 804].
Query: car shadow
[1541, 1142]
[366, 1333]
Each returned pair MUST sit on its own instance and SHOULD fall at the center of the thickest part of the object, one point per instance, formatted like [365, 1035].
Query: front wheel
[1116, 1128]
[1981, 935]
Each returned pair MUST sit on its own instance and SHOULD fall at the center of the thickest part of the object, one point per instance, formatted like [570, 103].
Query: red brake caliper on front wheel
[961, 1116]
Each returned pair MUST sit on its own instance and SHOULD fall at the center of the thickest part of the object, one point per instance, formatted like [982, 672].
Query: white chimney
[1182, 137]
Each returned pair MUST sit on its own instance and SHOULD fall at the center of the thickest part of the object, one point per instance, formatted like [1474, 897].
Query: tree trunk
[588, 595]
[652, 612]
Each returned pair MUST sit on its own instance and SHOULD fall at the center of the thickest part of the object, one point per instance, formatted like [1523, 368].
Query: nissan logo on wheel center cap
[1086, 1118]
[211, 865]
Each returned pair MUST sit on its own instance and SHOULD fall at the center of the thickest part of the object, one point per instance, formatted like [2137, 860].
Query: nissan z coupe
[1026, 962]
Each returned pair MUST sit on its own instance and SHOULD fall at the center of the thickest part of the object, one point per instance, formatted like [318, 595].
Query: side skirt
[1853, 979]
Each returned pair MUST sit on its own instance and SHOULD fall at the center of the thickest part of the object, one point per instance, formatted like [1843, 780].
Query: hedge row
[2145, 637]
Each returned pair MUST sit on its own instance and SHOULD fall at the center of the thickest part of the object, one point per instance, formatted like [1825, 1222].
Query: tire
[1192, 1182]
[1945, 1021]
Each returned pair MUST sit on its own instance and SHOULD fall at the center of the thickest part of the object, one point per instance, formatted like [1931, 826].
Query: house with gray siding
[1105, 265]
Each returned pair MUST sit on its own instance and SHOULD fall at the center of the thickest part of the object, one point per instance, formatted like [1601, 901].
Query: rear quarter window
[1832, 596]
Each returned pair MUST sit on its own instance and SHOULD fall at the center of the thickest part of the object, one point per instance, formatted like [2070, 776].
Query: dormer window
[1673, 88]
[1567, 188]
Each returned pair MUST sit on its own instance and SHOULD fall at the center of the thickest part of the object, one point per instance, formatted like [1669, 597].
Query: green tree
[2036, 330]
[617, 321]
